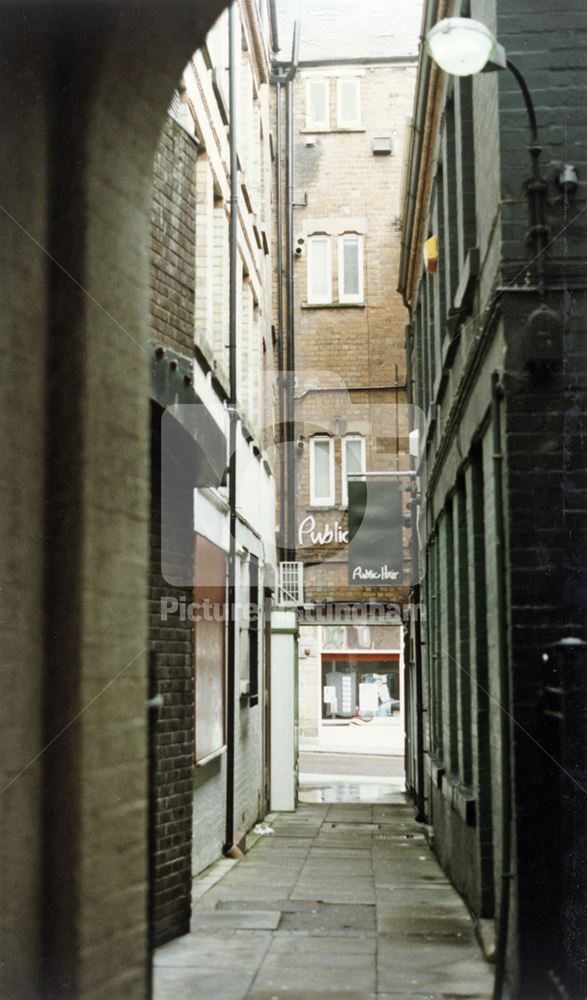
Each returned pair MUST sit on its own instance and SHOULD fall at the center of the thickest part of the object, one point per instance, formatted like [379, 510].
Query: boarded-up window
[209, 650]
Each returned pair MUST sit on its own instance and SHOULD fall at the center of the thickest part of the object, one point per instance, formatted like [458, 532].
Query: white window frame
[327, 297]
[316, 501]
[342, 295]
[287, 570]
[351, 437]
[311, 123]
[344, 122]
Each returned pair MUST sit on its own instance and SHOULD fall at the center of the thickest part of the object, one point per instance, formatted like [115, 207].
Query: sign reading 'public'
[375, 534]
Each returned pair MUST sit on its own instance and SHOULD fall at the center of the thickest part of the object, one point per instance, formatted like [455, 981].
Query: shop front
[351, 688]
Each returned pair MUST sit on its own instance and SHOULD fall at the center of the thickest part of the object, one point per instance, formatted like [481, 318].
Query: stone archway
[82, 99]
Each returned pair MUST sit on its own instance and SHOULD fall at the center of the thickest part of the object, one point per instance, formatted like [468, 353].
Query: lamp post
[462, 46]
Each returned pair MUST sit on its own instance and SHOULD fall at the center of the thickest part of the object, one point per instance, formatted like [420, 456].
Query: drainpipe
[290, 358]
[504, 684]
[280, 339]
[233, 420]
[277, 79]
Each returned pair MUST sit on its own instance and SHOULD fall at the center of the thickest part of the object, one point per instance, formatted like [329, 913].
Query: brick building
[497, 362]
[85, 89]
[350, 97]
[208, 760]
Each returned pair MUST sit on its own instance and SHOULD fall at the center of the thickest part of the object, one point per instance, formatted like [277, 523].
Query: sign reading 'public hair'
[375, 534]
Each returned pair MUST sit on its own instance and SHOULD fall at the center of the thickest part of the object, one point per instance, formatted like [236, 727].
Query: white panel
[283, 720]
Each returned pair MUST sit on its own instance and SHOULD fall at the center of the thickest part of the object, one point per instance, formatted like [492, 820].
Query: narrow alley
[293, 574]
[342, 900]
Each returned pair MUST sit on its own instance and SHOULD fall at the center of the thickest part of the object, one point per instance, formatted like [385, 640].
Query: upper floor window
[318, 103]
[319, 270]
[349, 102]
[353, 461]
[322, 471]
[350, 268]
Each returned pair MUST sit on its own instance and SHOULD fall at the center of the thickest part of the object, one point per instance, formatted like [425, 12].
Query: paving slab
[324, 994]
[325, 918]
[333, 964]
[257, 920]
[342, 902]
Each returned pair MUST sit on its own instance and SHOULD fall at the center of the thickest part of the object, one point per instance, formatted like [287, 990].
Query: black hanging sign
[375, 534]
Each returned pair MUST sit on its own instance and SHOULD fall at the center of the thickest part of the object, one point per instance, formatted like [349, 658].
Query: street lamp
[462, 46]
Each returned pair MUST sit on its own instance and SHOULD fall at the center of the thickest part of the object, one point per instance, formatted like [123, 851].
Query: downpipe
[290, 355]
[505, 695]
[229, 845]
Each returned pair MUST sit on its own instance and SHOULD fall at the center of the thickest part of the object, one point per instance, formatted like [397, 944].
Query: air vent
[382, 145]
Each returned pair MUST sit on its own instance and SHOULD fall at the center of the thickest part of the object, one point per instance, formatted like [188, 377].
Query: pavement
[373, 765]
[341, 902]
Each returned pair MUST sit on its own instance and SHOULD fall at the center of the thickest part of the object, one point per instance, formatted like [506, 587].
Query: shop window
[322, 471]
[317, 103]
[349, 102]
[353, 461]
[319, 270]
[350, 268]
[360, 686]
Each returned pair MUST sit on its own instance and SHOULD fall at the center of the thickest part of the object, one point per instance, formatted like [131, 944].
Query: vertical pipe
[280, 331]
[233, 418]
[291, 470]
[504, 694]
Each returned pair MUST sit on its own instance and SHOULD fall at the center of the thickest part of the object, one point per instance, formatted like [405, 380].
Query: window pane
[319, 276]
[349, 111]
[354, 457]
[318, 101]
[351, 267]
[322, 469]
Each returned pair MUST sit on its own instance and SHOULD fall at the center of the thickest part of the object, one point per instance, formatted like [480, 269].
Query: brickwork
[205, 92]
[348, 189]
[173, 228]
[517, 445]
[171, 724]
[173, 239]
[75, 464]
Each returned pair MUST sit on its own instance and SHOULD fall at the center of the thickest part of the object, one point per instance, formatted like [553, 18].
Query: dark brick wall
[543, 417]
[173, 240]
[171, 725]
[170, 642]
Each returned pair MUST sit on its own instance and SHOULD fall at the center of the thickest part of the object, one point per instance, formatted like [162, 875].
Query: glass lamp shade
[460, 46]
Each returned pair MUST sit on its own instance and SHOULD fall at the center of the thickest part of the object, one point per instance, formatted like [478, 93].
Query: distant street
[376, 766]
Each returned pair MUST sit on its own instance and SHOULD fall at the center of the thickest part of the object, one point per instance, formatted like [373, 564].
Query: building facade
[491, 271]
[345, 324]
[209, 669]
